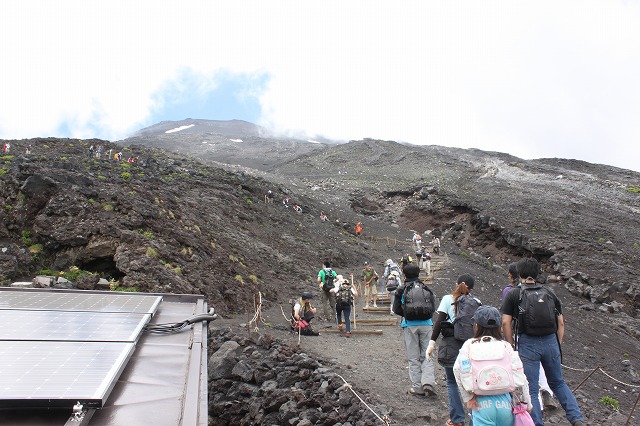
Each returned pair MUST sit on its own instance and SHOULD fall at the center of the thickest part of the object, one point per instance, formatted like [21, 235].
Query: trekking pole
[586, 378]
[354, 305]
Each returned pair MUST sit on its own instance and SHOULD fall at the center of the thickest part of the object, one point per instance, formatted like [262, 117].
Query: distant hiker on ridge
[358, 229]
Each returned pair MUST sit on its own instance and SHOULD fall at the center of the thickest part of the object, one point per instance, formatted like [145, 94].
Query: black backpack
[328, 280]
[392, 283]
[344, 297]
[419, 302]
[537, 311]
[466, 306]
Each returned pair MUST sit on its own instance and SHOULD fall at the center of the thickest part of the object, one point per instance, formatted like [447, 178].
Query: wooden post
[354, 305]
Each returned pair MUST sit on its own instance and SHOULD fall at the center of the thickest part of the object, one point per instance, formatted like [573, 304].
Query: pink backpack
[489, 368]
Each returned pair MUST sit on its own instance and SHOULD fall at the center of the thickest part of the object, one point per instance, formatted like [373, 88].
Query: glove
[430, 348]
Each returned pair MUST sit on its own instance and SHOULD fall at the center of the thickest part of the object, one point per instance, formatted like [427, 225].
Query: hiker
[268, 198]
[485, 356]
[391, 280]
[297, 208]
[7, 148]
[426, 260]
[27, 150]
[539, 342]
[370, 290]
[326, 277]
[405, 260]
[302, 314]
[358, 229]
[417, 240]
[285, 201]
[323, 217]
[344, 292]
[90, 152]
[436, 244]
[416, 303]
[545, 397]
[450, 346]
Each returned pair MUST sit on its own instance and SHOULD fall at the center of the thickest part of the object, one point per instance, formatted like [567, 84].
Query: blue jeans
[347, 313]
[456, 409]
[533, 351]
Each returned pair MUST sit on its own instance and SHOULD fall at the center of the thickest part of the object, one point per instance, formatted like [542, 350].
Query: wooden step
[353, 331]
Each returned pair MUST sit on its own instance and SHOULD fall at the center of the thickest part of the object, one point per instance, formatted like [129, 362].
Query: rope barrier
[258, 315]
[580, 370]
[346, 385]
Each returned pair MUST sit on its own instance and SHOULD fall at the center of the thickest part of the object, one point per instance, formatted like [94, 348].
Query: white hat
[339, 278]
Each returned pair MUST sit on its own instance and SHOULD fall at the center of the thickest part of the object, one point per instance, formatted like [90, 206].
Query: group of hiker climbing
[492, 358]
[500, 364]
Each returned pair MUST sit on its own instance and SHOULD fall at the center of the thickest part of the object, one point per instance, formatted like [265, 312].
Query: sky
[534, 79]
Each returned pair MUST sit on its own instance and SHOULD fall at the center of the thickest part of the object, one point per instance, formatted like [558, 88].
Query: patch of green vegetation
[74, 273]
[26, 238]
[636, 245]
[36, 249]
[92, 201]
[607, 401]
[7, 157]
[125, 175]
[233, 258]
[186, 251]
[197, 229]
[102, 177]
[125, 165]
[464, 254]
[635, 189]
[63, 158]
[151, 252]
[239, 279]
[171, 215]
[601, 240]
[213, 244]
[107, 207]
[147, 234]
[253, 279]
[3, 171]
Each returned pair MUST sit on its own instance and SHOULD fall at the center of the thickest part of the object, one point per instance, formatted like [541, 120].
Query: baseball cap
[487, 317]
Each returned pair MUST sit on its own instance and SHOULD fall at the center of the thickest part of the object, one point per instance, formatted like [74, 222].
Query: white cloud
[534, 79]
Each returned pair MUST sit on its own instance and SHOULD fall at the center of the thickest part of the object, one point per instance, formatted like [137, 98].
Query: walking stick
[354, 306]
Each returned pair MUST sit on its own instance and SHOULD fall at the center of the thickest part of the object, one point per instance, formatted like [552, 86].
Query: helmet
[345, 281]
[307, 295]
[388, 262]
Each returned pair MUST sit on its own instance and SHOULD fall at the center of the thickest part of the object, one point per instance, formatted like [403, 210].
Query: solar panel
[80, 301]
[61, 347]
[59, 374]
[72, 326]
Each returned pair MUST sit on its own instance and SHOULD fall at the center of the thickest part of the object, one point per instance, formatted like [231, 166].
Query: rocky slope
[174, 224]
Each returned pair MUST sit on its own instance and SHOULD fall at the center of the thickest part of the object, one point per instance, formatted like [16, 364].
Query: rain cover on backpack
[489, 367]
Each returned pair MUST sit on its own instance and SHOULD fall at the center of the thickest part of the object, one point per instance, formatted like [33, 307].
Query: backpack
[328, 280]
[488, 370]
[392, 283]
[419, 302]
[537, 311]
[344, 296]
[466, 306]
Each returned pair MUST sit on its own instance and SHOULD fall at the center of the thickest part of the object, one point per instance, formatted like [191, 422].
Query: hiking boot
[578, 423]
[429, 390]
[347, 334]
[340, 326]
[366, 306]
[374, 305]
[450, 423]
[548, 401]
[412, 391]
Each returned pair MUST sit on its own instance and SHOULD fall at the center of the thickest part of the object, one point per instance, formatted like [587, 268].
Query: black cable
[170, 328]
